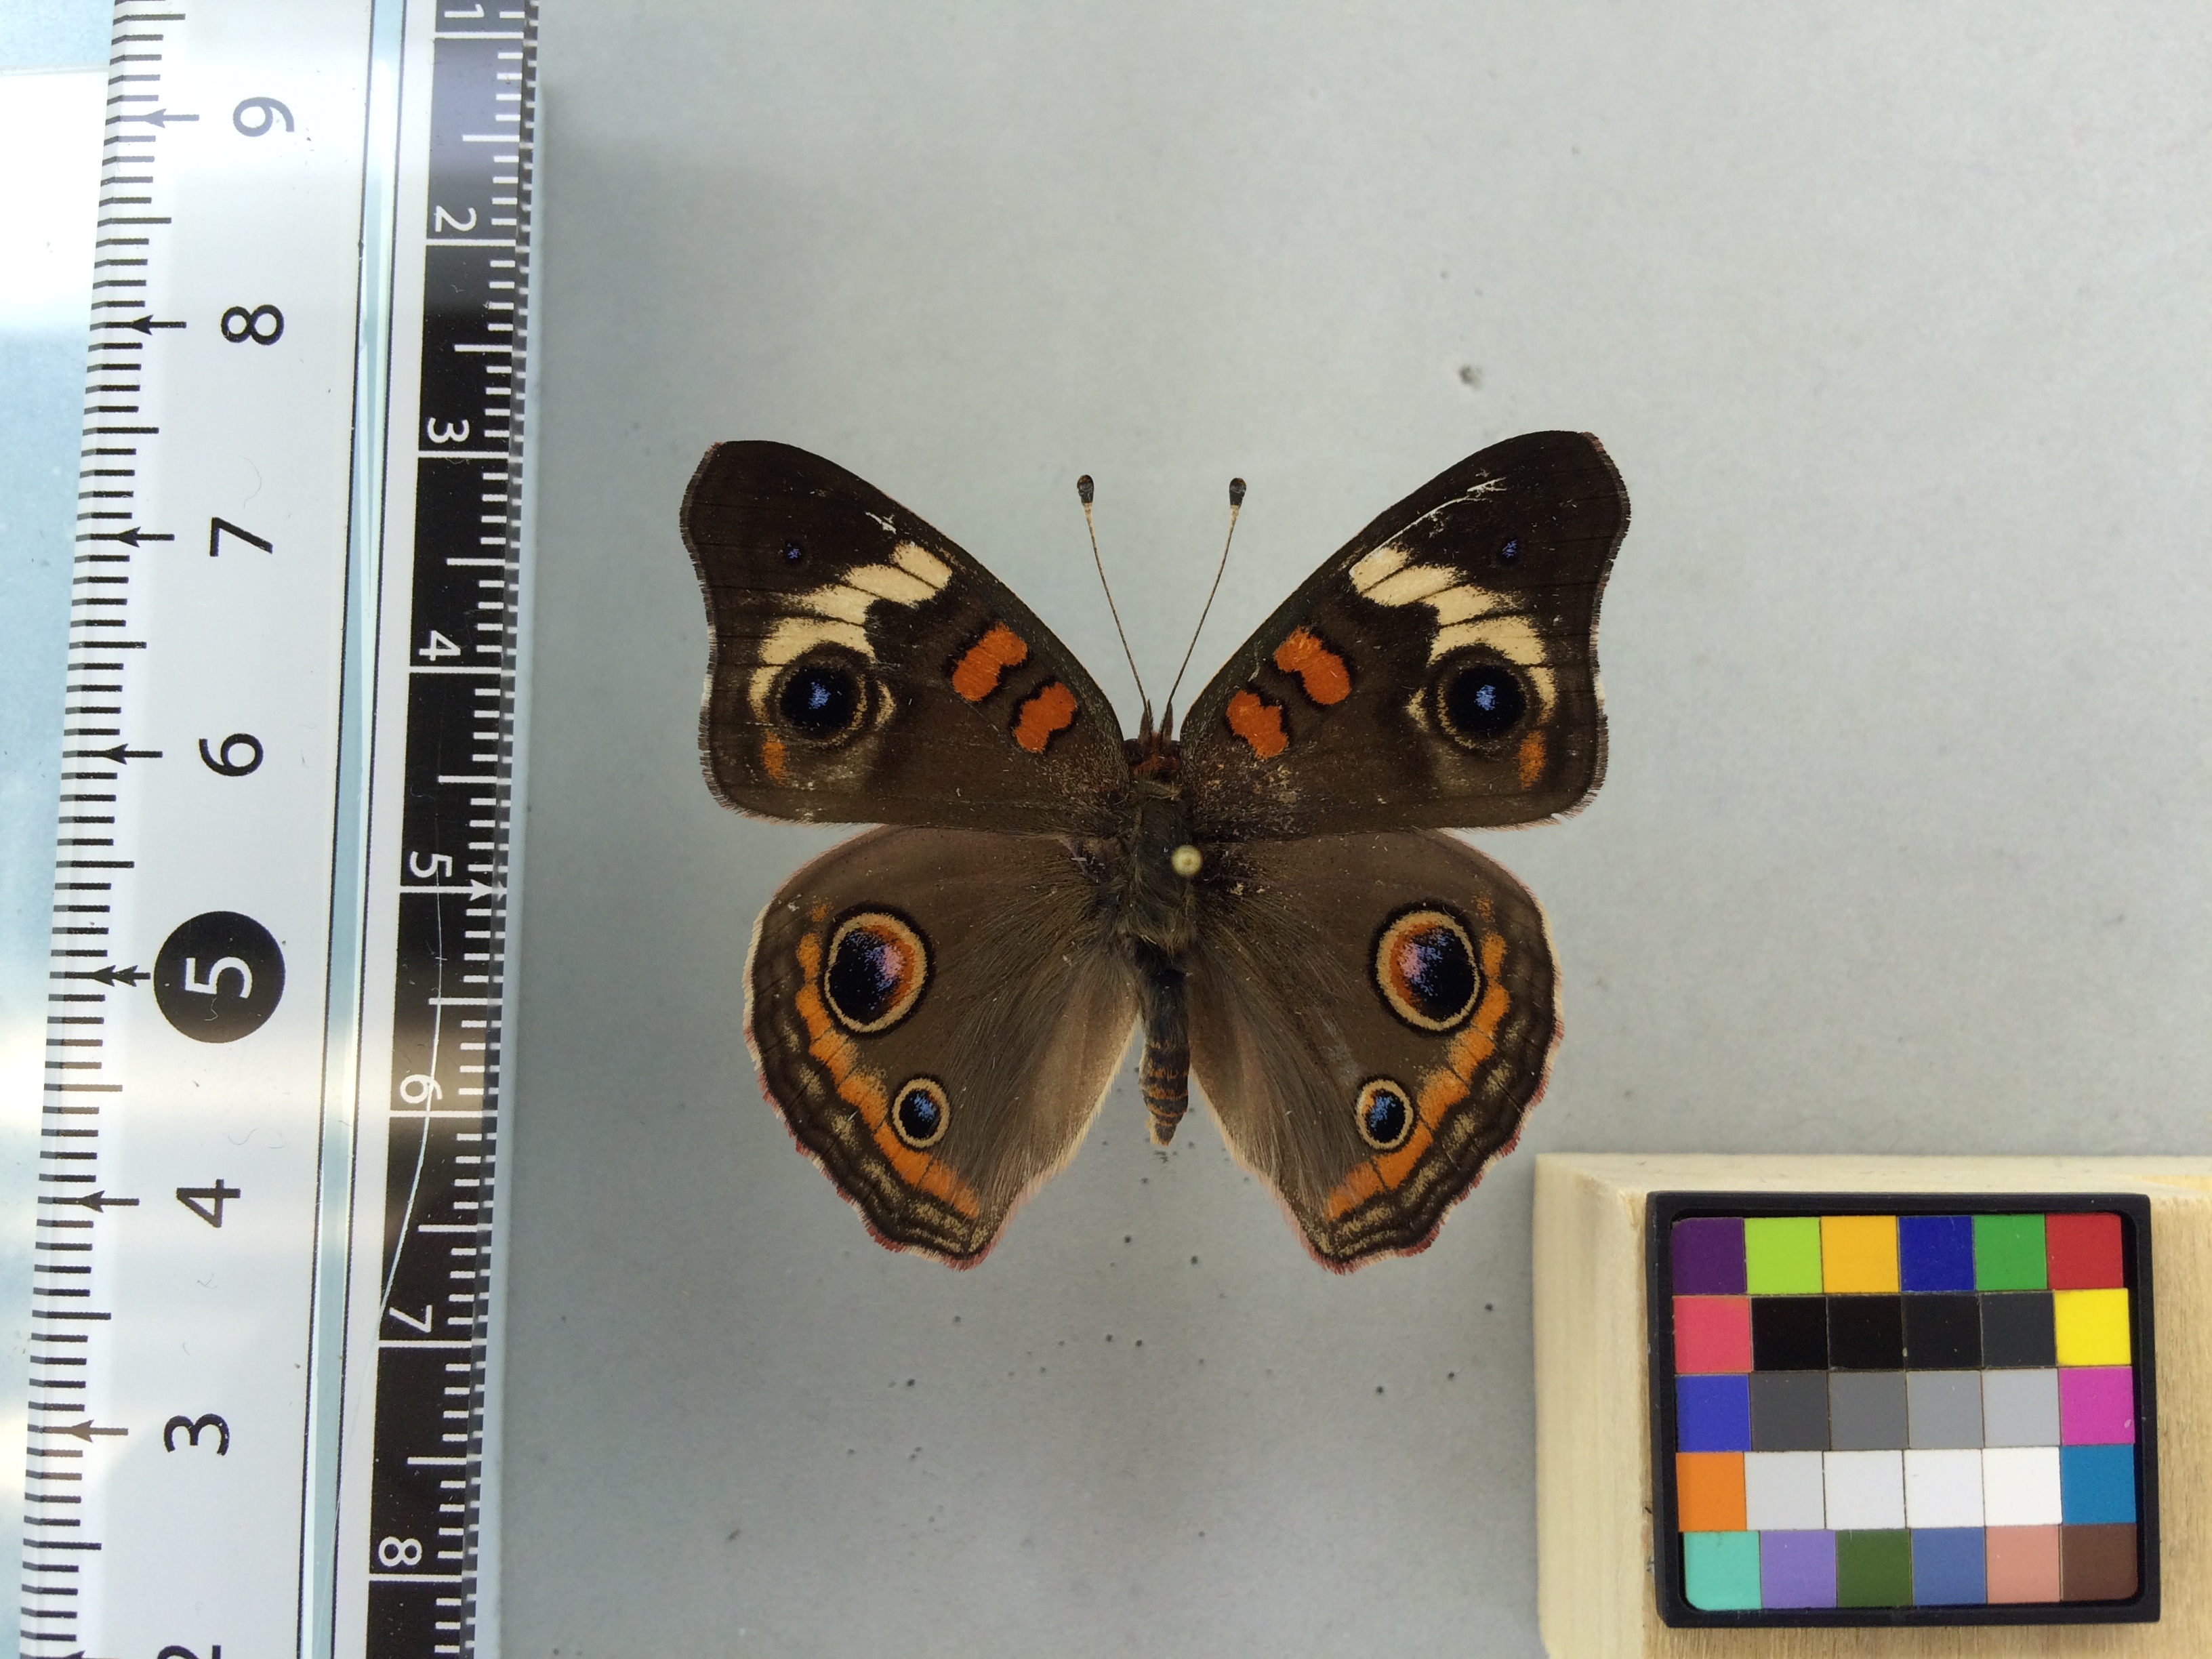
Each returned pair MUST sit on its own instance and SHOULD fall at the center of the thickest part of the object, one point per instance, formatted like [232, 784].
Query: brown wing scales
[865, 669]
[1371, 1018]
[974, 971]
[1440, 671]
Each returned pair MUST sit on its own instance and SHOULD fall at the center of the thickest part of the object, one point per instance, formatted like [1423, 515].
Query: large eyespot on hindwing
[1426, 968]
[920, 1112]
[822, 699]
[877, 968]
[1478, 699]
[1384, 1114]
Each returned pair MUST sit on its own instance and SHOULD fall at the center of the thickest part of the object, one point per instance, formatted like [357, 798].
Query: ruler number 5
[266, 113]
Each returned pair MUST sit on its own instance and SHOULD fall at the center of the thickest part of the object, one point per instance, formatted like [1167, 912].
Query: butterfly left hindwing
[937, 1014]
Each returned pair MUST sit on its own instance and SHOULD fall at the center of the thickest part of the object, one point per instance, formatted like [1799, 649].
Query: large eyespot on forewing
[822, 699]
[1479, 700]
[875, 970]
[1425, 970]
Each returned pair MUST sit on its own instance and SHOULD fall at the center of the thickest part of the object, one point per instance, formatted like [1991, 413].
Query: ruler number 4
[207, 1202]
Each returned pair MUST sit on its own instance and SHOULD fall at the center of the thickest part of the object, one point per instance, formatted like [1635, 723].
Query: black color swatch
[1865, 1333]
[1788, 1333]
[2016, 1328]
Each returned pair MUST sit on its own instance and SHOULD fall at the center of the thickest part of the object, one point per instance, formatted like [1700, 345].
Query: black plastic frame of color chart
[1662, 1209]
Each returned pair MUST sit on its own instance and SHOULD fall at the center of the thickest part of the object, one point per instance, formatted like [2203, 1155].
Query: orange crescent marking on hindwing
[772, 757]
[1532, 760]
[977, 675]
[1320, 670]
[864, 1091]
[1049, 711]
[1259, 722]
[1442, 1090]
[1356, 1188]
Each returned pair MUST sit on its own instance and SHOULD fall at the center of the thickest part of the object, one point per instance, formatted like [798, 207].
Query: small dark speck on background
[1489, 1307]
[1378, 1387]
[910, 1382]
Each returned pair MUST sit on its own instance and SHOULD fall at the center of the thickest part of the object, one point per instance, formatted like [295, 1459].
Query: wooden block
[1594, 1504]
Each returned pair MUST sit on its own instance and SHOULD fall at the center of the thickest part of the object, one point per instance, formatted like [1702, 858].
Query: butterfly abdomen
[1163, 1074]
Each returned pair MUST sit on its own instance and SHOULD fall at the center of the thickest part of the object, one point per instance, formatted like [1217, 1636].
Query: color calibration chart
[1930, 1411]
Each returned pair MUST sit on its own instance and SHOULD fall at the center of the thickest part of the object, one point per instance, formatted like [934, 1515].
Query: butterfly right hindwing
[1371, 1018]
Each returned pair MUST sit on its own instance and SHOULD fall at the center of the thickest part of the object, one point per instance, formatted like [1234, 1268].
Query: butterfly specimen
[938, 1005]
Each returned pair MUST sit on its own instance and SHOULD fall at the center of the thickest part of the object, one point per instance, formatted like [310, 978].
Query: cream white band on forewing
[1466, 613]
[838, 614]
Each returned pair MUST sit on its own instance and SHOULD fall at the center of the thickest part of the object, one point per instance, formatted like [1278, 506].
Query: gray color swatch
[1789, 1411]
[1945, 1407]
[1867, 1411]
[2020, 1408]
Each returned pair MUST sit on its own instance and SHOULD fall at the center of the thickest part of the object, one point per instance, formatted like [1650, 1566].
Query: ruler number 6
[399, 1552]
[266, 113]
[220, 761]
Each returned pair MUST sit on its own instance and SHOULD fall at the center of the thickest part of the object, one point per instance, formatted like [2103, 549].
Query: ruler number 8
[399, 1552]
[264, 325]
[265, 111]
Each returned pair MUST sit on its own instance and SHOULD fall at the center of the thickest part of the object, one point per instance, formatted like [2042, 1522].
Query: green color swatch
[2009, 1253]
[1781, 1255]
[1873, 1569]
[1720, 1570]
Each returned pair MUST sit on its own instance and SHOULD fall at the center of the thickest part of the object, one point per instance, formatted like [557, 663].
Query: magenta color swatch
[1707, 1252]
[1712, 1334]
[2097, 1406]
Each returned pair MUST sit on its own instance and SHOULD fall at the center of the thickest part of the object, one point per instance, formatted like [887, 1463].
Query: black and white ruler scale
[266, 1241]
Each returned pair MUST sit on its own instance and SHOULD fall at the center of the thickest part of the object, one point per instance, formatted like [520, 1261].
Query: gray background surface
[1895, 319]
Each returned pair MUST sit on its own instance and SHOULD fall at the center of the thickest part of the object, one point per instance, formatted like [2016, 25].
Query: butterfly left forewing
[1335, 974]
[1441, 670]
[865, 669]
[975, 969]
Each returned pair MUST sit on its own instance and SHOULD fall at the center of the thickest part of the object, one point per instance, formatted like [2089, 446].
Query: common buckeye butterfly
[938, 1005]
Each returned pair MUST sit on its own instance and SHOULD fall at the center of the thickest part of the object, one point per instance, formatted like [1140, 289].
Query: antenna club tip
[1237, 492]
[1084, 488]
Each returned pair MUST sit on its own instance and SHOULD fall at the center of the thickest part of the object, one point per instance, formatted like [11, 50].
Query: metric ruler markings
[448, 868]
[204, 1050]
[183, 1110]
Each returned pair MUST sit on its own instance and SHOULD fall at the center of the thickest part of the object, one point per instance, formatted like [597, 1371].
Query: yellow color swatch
[2092, 1327]
[1858, 1255]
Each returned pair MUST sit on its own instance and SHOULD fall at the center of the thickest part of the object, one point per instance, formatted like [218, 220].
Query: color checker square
[1902, 1411]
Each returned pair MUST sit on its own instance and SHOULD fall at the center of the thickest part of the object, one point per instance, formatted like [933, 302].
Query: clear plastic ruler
[264, 1289]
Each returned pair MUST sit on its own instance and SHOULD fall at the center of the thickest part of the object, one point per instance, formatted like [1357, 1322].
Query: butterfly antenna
[1086, 489]
[1236, 505]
